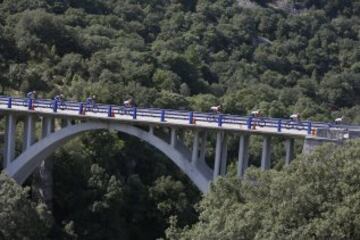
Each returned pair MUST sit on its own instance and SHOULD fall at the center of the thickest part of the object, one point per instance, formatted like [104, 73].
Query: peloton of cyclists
[129, 103]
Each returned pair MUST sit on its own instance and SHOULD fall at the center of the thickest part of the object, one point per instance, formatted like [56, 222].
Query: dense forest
[279, 57]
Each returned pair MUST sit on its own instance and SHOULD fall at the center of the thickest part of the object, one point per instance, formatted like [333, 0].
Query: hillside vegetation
[183, 54]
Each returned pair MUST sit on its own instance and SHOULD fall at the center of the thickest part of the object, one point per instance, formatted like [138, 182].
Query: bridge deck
[168, 117]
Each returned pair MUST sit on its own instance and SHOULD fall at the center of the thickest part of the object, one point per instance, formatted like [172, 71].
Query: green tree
[20, 218]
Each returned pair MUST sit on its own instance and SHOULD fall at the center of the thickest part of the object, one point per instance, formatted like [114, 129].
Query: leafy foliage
[315, 198]
[19, 217]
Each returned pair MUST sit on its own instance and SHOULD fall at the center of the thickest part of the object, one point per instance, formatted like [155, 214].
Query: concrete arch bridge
[61, 122]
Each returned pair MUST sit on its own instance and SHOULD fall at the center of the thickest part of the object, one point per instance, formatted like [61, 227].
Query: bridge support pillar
[219, 136]
[223, 155]
[266, 153]
[243, 157]
[195, 149]
[47, 126]
[10, 135]
[289, 145]
[203, 146]
[173, 137]
[29, 131]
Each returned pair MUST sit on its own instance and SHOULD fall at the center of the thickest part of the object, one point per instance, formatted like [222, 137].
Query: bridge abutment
[311, 143]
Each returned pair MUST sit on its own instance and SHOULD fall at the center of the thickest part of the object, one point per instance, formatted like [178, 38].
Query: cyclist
[129, 103]
[90, 102]
[258, 119]
[31, 95]
[295, 117]
[339, 120]
[60, 100]
[255, 113]
[216, 109]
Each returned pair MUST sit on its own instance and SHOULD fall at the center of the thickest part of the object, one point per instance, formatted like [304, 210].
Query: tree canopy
[316, 197]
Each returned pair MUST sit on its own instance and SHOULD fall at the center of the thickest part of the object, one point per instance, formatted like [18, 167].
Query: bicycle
[93, 108]
[212, 118]
[126, 111]
[260, 121]
[291, 124]
[61, 105]
[26, 102]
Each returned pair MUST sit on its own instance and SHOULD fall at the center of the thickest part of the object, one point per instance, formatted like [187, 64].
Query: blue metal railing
[248, 122]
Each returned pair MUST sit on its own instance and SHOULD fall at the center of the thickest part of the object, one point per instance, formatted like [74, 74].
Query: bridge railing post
[134, 113]
[55, 105]
[162, 116]
[81, 109]
[279, 125]
[249, 122]
[309, 128]
[30, 104]
[191, 117]
[9, 104]
[220, 120]
[110, 112]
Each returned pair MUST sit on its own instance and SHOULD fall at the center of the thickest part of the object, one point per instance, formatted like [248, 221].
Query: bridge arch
[29, 160]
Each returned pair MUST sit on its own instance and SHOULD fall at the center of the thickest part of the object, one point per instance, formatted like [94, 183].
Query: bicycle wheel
[95, 109]
[289, 125]
[62, 106]
[300, 126]
[261, 123]
[211, 119]
[120, 111]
